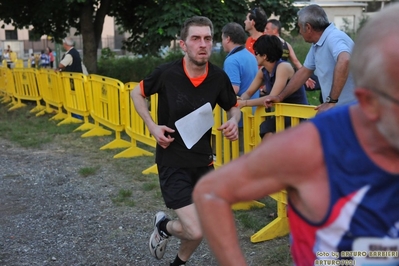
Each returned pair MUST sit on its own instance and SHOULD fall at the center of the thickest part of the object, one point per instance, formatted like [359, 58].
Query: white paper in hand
[194, 125]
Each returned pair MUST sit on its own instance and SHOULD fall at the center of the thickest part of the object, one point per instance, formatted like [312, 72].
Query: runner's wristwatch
[329, 100]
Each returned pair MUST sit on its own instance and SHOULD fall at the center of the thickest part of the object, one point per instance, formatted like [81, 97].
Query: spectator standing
[182, 87]
[32, 60]
[44, 59]
[6, 56]
[10, 56]
[70, 61]
[328, 58]
[356, 177]
[273, 27]
[13, 56]
[274, 73]
[51, 55]
[255, 23]
[240, 65]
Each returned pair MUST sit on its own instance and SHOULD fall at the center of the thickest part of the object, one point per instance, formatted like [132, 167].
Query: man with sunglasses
[343, 203]
[255, 23]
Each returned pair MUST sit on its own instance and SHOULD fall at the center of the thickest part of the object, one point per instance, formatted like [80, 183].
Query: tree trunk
[88, 36]
[91, 31]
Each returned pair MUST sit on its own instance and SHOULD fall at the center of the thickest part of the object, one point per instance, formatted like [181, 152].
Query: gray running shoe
[158, 240]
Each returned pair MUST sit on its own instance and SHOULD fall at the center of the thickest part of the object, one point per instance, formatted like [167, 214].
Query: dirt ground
[52, 215]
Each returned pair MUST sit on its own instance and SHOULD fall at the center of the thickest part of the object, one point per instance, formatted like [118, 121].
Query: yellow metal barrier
[26, 88]
[107, 108]
[19, 63]
[6, 84]
[52, 92]
[136, 129]
[279, 226]
[225, 151]
[3, 83]
[75, 92]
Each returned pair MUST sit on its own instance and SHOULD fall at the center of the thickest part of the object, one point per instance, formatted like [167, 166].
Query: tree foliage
[56, 18]
[155, 23]
[151, 23]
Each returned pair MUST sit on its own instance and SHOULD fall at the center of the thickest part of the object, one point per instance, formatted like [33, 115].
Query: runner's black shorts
[177, 184]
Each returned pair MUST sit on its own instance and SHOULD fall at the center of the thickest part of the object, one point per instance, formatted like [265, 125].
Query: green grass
[124, 198]
[87, 171]
[256, 218]
[313, 97]
[28, 130]
[299, 46]
[150, 186]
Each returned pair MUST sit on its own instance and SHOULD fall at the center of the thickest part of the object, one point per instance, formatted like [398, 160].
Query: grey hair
[68, 41]
[372, 59]
[315, 16]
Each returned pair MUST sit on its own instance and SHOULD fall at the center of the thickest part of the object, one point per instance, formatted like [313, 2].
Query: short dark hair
[259, 16]
[236, 33]
[276, 23]
[270, 46]
[195, 21]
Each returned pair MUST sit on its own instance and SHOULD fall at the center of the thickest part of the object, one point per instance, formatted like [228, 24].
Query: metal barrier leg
[117, 143]
[39, 107]
[151, 170]
[97, 131]
[279, 226]
[60, 115]
[247, 205]
[70, 120]
[133, 151]
[16, 105]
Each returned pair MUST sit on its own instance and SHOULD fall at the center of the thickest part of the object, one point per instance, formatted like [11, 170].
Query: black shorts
[177, 184]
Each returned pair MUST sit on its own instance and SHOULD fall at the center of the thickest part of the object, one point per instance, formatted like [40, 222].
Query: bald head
[376, 54]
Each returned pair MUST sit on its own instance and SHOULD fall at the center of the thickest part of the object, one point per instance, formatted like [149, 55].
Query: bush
[128, 69]
[299, 46]
[107, 53]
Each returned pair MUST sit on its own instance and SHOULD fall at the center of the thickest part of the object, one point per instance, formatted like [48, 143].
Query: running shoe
[158, 239]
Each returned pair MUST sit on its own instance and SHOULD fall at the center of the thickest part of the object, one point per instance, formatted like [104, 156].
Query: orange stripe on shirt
[142, 89]
[197, 80]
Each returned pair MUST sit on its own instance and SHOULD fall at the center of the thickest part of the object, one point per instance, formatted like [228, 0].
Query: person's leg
[187, 228]
[267, 127]
[177, 185]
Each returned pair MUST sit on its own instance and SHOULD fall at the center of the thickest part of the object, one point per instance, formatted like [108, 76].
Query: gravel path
[51, 215]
